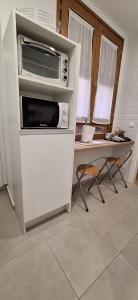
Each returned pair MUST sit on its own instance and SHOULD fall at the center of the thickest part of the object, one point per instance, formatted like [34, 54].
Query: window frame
[100, 28]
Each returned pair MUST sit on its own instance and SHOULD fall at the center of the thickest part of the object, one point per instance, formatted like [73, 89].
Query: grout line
[20, 254]
[132, 220]
[62, 270]
[62, 229]
[79, 297]
[103, 236]
[120, 253]
[75, 220]
[100, 274]
[129, 263]
[117, 255]
[128, 243]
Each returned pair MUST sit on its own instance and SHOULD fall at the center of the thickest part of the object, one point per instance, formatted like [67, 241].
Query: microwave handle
[60, 115]
[52, 51]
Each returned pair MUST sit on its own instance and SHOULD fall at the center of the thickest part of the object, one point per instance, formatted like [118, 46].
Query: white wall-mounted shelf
[31, 28]
[41, 87]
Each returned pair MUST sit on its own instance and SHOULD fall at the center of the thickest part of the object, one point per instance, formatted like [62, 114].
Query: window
[105, 82]
[101, 52]
[82, 32]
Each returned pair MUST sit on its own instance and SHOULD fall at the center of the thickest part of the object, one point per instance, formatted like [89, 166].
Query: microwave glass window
[40, 61]
[39, 113]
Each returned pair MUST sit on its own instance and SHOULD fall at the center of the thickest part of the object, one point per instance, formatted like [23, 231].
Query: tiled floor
[87, 256]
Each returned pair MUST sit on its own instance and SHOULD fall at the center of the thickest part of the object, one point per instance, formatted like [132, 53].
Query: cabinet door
[47, 167]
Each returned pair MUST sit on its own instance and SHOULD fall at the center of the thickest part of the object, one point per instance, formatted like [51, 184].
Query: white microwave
[41, 113]
[41, 61]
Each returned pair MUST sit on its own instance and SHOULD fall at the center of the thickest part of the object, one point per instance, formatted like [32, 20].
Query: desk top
[98, 144]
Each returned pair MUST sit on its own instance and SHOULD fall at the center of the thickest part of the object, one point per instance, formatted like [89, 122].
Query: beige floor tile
[131, 252]
[59, 222]
[113, 225]
[34, 275]
[131, 194]
[127, 202]
[82, 253]
[134, 188]
[118, 282]
[12, 240]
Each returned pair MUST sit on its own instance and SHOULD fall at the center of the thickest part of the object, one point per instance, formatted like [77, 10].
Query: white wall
[128, 104]
[127, 117]
[7, 5]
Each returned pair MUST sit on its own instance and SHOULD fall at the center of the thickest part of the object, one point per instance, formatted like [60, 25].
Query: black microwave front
[38, 113]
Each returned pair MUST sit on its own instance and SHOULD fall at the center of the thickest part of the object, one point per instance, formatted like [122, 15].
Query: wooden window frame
[100, 27]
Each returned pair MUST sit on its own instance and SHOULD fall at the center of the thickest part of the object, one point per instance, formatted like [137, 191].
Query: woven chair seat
[88, 170]
[115, 161]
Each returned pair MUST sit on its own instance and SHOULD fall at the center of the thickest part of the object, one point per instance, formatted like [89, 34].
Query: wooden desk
[99, 144]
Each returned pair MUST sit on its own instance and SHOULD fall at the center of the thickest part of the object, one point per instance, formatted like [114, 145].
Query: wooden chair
[88, 169]
[116, 163]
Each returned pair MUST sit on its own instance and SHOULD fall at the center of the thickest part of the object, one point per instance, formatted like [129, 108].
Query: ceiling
[124, 13]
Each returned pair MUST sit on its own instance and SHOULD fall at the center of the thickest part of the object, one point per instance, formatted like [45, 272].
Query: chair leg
[111, 178]
[102, 178]
[114, 172]
[89, 188]
[105, 174]
[82, 193]
[96, 181]
[122, 178]
[77, 184]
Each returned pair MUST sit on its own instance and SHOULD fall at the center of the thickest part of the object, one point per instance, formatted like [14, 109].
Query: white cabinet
[46, 173]
[40, 164]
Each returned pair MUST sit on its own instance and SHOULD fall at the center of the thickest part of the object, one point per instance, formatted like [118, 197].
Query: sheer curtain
[81, 32]
[105, 85]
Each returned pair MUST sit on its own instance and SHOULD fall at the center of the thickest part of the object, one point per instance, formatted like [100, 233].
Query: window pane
[81, 32]
[105, 85]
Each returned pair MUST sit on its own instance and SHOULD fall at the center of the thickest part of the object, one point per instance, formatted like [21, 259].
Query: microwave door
[37, 113]
[39, 46]
[40, 61]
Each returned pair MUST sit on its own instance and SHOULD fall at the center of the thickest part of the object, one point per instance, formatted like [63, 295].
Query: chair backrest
[102, 158]
[126, 155]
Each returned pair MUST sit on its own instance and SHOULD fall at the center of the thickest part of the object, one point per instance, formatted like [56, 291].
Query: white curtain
[106, 79]
[81, 32]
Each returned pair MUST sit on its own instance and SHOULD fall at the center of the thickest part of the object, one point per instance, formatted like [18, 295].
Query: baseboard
[10, 196]
[44, 218]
